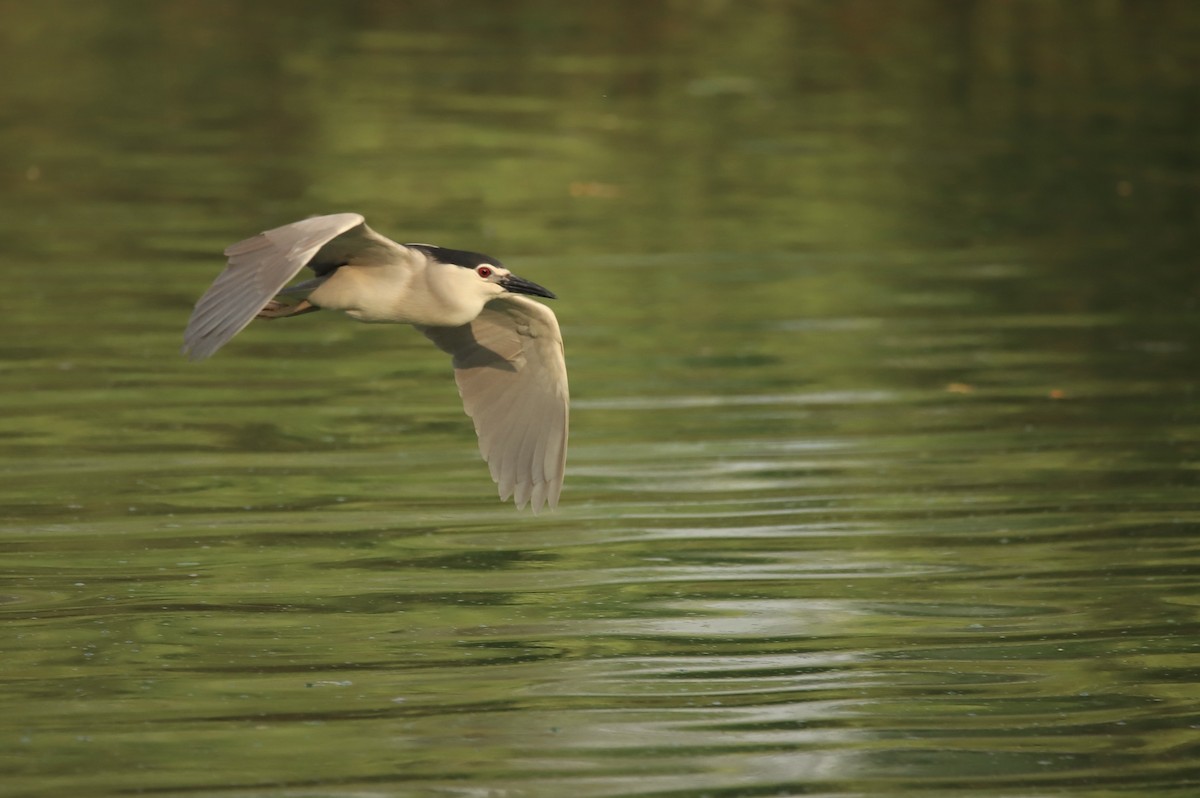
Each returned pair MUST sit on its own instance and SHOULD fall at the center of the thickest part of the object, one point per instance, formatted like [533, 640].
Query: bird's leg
[278, 310]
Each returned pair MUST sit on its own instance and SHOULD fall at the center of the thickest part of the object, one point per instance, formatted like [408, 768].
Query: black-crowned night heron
[507, 350]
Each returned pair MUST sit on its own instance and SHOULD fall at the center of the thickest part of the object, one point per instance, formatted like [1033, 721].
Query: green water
[882, 327]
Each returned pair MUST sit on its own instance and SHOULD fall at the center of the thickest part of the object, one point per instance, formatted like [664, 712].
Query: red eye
[484, 272]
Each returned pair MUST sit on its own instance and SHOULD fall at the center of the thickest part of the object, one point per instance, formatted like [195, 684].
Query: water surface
[882, 334]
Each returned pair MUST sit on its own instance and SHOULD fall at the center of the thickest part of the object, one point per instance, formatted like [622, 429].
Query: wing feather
[512, 377]
[262, 265]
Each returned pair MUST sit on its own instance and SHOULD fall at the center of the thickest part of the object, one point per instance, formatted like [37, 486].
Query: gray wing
[261, 266]
[512, 377]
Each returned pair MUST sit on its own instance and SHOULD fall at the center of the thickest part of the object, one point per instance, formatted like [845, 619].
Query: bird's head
[480, 276]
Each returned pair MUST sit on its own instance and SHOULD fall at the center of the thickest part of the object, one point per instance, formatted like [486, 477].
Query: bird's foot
[278, 310]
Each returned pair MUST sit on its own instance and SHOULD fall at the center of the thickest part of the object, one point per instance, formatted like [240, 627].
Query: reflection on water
[882, 336]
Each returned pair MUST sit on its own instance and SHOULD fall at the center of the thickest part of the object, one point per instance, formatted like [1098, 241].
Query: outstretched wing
[512, 377]
[261, 266]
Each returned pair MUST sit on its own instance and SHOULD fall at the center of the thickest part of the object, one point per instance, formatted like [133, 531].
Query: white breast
[404, 290]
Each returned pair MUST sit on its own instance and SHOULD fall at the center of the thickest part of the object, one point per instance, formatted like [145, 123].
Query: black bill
[519, 285]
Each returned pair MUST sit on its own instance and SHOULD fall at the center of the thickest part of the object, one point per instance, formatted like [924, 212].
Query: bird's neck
[450, 298]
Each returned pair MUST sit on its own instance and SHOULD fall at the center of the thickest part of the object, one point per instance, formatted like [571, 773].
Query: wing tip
[195, 350]
[537, 494]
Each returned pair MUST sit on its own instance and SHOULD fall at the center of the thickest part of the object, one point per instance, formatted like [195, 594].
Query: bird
[506, 349]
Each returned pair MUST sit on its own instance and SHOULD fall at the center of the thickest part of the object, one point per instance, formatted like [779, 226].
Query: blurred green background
[1066, 128]
[882, 325]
